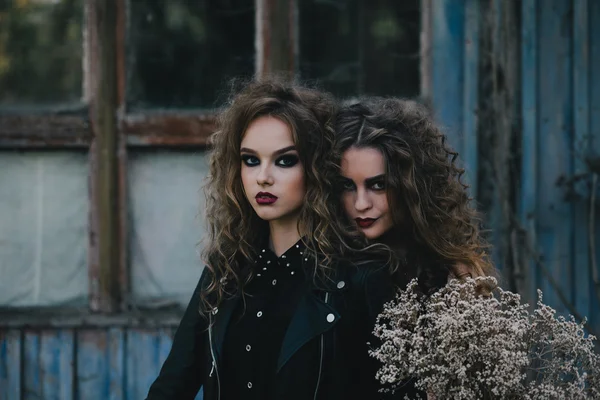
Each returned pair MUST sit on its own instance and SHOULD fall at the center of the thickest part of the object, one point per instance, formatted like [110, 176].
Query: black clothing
[323, 353]
[249, 357]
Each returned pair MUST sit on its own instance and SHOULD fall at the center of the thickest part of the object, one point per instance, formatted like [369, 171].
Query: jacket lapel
[312, 318]
[220, 323]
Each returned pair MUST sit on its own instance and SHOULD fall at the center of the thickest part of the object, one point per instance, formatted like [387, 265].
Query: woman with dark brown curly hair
[279, 312]
[401, 187]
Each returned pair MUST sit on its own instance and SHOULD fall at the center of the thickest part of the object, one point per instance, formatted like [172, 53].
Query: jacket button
[330, 317]
[248, 347]
[341, 284]
[249, 385]
[259, 314]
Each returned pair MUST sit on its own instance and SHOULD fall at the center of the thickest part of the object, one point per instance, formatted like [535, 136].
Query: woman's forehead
[267, 134]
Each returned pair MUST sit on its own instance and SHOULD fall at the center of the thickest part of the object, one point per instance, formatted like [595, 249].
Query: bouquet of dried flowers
[458, 344]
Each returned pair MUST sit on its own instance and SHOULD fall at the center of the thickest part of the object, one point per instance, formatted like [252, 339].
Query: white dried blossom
[458, 344]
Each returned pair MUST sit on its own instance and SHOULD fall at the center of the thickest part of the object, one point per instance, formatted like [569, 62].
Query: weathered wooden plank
[92, 364]
[168, 129]
[143, 356]
[529, 135]
[56, 317]
[581, 104]
[100, 364]
[426, 46]
[56, 364]
[555, 223]
[105, 291]
[594, 16]
[44, 130]
[277, 38]
[32, 382]
[447, 66]
[164, 344]
[10, 364]
[146, 352]
[469, 148]
[116, 364]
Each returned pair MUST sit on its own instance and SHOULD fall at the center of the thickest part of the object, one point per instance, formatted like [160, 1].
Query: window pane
[166, 204]
[40, 51]
[184, 51]
[355, 47]
[43, 228]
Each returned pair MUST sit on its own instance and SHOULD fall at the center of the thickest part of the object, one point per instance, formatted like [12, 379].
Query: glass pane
[43, 228]
[40, 51]
[355, 47]
[185, 51]
[166, 204]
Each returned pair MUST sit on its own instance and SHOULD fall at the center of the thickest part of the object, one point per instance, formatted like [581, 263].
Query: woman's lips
[265, 198]
[365, 222]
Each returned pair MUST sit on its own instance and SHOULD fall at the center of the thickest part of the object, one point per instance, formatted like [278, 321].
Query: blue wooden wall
[559, 95]
[90, 364]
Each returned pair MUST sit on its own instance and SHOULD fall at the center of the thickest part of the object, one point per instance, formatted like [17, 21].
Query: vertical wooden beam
[447, 52]
[594, 116]
[123, 274]
[276, 37]
[582, 145]
[11, 364]
[470, 143]
[555, 113]
[104, 229]
[426, 49]
[529, 134]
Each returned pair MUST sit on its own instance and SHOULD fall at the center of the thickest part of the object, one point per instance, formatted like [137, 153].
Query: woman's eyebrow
[277, 152]
[374, 179]
[285, 150]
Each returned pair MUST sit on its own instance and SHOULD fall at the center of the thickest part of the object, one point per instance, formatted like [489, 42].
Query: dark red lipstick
[265, 198]
[365, 222]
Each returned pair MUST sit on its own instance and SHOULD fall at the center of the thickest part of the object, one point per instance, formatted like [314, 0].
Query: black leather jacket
[324, 354]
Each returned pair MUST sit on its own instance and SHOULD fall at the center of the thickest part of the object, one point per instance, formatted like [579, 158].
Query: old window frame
[105, 128]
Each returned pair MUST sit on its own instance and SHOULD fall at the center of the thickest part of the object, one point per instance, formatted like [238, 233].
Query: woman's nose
[264, 176]
[362, 202]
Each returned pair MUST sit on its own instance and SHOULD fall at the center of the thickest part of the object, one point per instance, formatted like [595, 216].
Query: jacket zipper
[214, 359]
[321, 355]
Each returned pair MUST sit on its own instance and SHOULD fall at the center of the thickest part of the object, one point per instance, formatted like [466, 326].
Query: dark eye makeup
[284, 161]
[377, 185]
[250, 160]
[287, 160]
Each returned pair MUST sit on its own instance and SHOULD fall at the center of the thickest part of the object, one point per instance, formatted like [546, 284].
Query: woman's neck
[283, 235]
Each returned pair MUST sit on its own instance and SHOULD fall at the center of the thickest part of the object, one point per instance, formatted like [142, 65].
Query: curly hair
[235, 230]
[436, 231]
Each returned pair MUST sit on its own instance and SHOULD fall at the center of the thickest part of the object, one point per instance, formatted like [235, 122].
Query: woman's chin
[371, 234]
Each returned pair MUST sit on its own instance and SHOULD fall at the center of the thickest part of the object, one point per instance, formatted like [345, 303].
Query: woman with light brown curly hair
[401, 186]
[280, 312]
